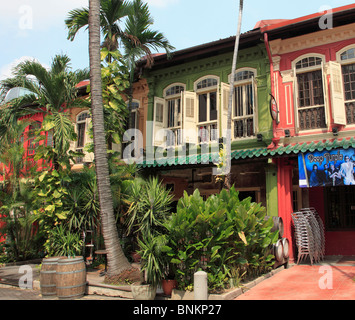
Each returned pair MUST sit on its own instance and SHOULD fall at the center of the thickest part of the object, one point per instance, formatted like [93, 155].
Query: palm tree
[12, 156]
[231, 90]
[139, 40]
[116, 260]
[50, 91]
[111, 14]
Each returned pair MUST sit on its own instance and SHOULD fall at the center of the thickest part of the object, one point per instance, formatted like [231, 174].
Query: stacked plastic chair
[303, 236]
[319, 230]
[309, 234]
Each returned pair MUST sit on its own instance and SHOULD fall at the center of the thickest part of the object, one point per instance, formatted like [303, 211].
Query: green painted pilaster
[271, 189]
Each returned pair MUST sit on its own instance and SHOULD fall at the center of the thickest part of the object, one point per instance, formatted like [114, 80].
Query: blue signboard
[326, 168]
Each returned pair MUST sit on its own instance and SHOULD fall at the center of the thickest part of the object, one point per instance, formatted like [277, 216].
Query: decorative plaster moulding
[279, 47]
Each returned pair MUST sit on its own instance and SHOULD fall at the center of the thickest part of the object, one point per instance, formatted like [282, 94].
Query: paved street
[12, 293]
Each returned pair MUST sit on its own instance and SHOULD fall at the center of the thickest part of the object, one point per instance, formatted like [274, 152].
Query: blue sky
[36, 29]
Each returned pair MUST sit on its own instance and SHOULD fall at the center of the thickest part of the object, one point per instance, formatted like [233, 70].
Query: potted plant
[168, 282]
[152, 270]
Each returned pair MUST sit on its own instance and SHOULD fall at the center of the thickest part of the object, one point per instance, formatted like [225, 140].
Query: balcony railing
[79, 160]
[207, 132]
[311, 118]
[244, 128]
[350, 112]
[174, 137]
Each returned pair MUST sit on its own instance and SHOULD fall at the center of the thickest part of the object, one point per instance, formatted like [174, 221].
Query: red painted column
[284, 188]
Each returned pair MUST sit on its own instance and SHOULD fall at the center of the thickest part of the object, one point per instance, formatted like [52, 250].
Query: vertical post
[284, 178]
[200, 286]
[271, 189]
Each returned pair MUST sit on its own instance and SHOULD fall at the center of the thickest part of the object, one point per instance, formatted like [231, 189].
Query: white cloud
[42, 13]
[6, 70]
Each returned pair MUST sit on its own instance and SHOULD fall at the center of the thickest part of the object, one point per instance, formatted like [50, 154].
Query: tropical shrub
[149, 207]
[153, 259]
[23, 241]
[62, 242]
[228, 238]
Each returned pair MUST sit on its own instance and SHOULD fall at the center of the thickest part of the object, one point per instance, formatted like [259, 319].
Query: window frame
[347, 62]
[176, 97]
[80, 122]
[297, 108]
[208, 124]
[243, 83]
[135, 111]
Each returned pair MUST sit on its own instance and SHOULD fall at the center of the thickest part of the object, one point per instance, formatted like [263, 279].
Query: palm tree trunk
[116, 260]
[231, 89]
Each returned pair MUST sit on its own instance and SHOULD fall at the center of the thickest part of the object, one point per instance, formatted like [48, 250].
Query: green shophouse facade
[188, 95]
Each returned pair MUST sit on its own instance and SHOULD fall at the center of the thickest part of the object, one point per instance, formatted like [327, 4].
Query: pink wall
[285, 90]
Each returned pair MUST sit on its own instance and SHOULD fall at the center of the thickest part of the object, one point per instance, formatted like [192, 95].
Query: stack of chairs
[309, 235]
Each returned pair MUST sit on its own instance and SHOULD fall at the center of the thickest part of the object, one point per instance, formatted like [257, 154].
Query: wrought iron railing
[244, 128]
[350, 112]
[79, 160]
[311, 118]
[174, 137]
[207, 132]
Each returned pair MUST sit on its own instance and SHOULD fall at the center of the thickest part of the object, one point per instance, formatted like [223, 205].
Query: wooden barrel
[278, 250]
[71, 278]
[278, 225]
[285, 246]
[48, 276]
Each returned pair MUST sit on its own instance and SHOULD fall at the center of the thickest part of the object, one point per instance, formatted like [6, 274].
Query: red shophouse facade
[313, 83]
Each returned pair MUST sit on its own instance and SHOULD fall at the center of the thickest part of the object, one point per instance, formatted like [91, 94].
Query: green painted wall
[220, 66]
[271, 189]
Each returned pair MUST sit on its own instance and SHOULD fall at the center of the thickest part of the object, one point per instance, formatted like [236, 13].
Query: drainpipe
[275, 140]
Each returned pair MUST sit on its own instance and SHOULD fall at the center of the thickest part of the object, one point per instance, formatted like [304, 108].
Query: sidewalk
[10, 276]
[332, 279]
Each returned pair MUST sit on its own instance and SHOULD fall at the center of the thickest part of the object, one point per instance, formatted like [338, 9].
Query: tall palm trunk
[116, 260]
[231, 89]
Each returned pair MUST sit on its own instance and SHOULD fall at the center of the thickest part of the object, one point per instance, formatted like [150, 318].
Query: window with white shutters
[310, 93]
[244, 104]
[207, 99]
[347, 61]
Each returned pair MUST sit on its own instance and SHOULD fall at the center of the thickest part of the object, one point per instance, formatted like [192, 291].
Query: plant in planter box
[153, 265]
[149, 204]
[169, 281]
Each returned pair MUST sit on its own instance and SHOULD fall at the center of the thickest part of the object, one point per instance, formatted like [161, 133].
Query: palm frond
[77, 19]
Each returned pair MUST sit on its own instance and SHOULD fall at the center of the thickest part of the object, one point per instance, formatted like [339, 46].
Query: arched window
[81, 128]
[244, 104]
[132, 121]
[174, 90]
[310, 102]
[348, 54]
[207, 98]
[346, 57]
[173, 122]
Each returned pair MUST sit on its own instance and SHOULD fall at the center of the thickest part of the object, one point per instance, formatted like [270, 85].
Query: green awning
[291, 149]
